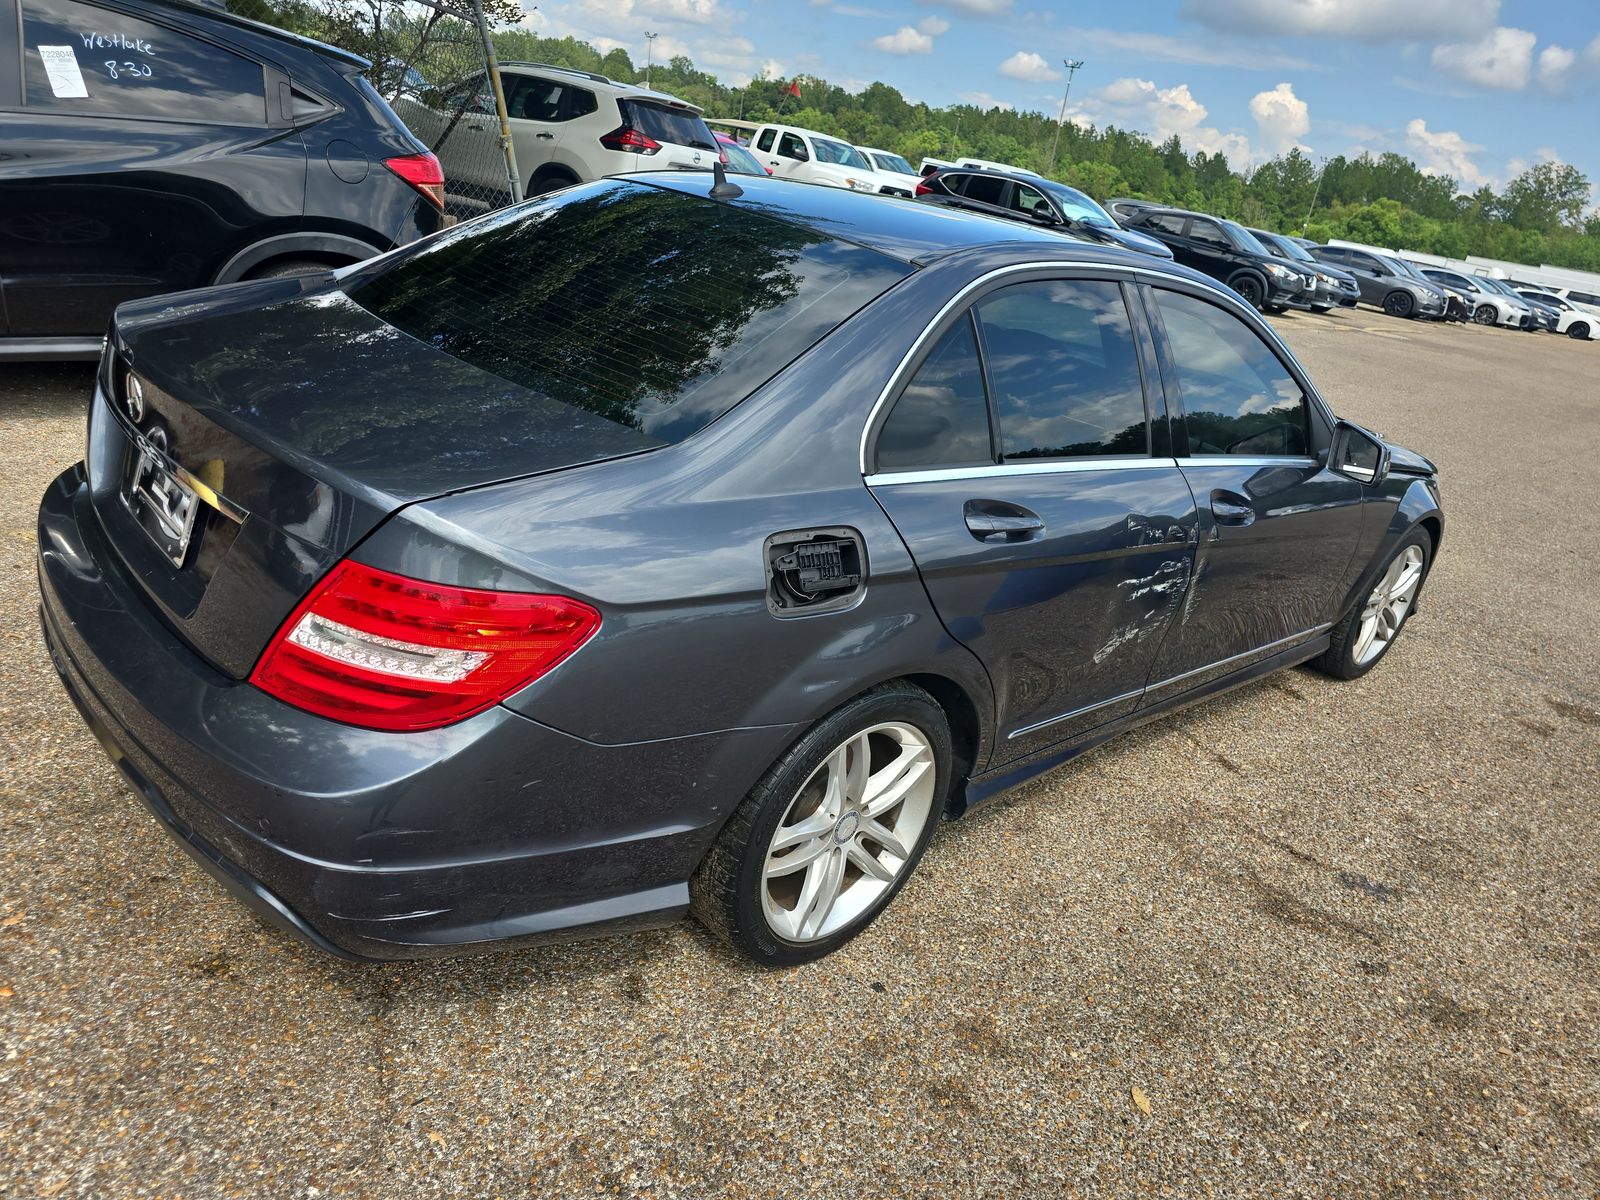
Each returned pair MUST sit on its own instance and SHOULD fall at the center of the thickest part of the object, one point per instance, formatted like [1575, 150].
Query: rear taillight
[421, 171]
[630, 140]
[924, 190]
[384, 651]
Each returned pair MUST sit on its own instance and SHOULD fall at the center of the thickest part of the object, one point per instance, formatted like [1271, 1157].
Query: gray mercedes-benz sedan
[646, 549]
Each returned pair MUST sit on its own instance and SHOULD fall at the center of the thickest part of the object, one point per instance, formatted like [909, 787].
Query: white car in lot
[812, 157]
[1489, 307]
[1574, 322]
[567, 127]
[891, 166]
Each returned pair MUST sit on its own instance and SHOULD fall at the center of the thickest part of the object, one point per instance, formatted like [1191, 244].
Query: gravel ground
[1311, 938]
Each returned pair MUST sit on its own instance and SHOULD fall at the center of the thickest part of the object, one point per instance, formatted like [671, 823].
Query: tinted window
[1208, 232]
[1330, 252]
[1583, 297]
[764, 142]
[1063, 370]
[675, 125]
[942, 418]
[985, 189]
[111, 64]
[1363, 262]
[540, 100]
[1162, 223]
[1237, 396]
[792, 147]
[656, 310]
[473, 95]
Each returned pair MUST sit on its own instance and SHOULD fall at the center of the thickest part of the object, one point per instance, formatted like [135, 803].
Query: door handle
[997, 521]
[1230, 509]
[545, 135]
[477, 128]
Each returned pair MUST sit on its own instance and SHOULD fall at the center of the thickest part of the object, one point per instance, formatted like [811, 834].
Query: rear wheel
[1399, 304]
[545, 182]
[1485, 314]
[1373, 625]
[1250, 290]
[1578, 329]
[831, 833]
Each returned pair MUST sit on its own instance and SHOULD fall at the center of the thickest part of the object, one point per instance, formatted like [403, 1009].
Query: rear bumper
[376, 845]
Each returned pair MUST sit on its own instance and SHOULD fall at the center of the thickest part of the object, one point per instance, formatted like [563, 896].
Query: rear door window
[1238, 397]
[1063, 370]
[764, 142]
[1169, 223]
[676, 126]
[79, 57]
[656, 310]
[985, 189]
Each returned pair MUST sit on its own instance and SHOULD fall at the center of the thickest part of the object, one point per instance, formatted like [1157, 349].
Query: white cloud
[1555, 67]
[1444, 152]
[907, 40]
[1500, 59]
[1029, 67]
[976, 8]
[1282, 117]
[773, 69]
[984, 100]
[1362, 20]
[1160, 113]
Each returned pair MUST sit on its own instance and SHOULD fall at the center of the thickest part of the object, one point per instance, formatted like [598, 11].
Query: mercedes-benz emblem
[133, 398]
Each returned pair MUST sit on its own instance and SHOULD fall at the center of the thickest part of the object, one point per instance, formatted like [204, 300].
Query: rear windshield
[676, 126]
[653, 309]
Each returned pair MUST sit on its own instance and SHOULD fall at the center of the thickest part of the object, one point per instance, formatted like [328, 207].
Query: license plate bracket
[163, 505]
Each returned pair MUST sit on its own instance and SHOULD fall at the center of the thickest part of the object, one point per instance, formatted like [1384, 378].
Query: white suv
[567, 127]
[813, 157]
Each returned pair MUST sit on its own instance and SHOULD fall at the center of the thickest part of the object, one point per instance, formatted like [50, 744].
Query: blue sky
[1478, 89]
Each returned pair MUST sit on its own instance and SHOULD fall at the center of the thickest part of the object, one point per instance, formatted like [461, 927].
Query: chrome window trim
[1229, 298]
[1249, 460]
[1066, 466]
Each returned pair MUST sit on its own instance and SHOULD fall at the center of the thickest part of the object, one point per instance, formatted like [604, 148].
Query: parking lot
[1309, 938]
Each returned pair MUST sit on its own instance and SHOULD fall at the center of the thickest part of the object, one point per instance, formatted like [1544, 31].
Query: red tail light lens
[379, 650]
[631, 140]
[924, 190]
[423, 172]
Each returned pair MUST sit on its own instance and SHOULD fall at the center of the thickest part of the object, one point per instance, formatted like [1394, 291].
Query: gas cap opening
[814, 570]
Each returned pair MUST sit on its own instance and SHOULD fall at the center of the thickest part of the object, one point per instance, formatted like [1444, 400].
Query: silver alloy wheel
[1388, 605]
[849, 832]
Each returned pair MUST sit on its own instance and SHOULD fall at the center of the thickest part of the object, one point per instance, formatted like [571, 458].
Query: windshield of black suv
[1286, 248]
[654, 309]
[839, 153]
[1079, 207]
[1245, 240]
[675, 126]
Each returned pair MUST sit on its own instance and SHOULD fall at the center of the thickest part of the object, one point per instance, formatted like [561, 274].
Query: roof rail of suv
[590, 75]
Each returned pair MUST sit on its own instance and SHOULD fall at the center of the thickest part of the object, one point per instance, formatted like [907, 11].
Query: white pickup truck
[812, 157]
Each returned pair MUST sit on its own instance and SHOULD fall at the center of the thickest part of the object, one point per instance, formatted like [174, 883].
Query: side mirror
[1358, 454]
[801, 154]
[1043, 216]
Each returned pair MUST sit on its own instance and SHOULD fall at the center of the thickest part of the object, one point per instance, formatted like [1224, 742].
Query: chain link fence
[434, 63]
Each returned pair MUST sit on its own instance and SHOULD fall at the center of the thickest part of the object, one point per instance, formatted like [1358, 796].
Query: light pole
[649, 56]
[1315, 192]
[1072, 65]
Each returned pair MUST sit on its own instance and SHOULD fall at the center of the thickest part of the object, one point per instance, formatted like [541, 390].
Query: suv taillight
[384, 651]
[421, 171]
[924, 190]
[631, 140]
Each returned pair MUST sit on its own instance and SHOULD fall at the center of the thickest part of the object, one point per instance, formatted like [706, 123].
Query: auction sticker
[61, 65]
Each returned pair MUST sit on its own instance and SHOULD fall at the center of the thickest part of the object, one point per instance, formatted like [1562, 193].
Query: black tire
[1339, 660]
[1578, 329]
[545, 182]
[282, 268]
[1399, 304]
[1250, 290]
[725, 893]
[1486, 314]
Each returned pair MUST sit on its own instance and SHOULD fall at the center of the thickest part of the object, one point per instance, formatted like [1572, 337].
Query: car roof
[905, 230]
[217, 12]
[631, 91]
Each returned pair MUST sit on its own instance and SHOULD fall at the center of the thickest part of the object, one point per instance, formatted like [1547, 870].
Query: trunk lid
[298, 421]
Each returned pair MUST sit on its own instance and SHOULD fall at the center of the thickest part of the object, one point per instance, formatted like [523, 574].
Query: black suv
[153, 145]
[1225, 250]
[1024, 196]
